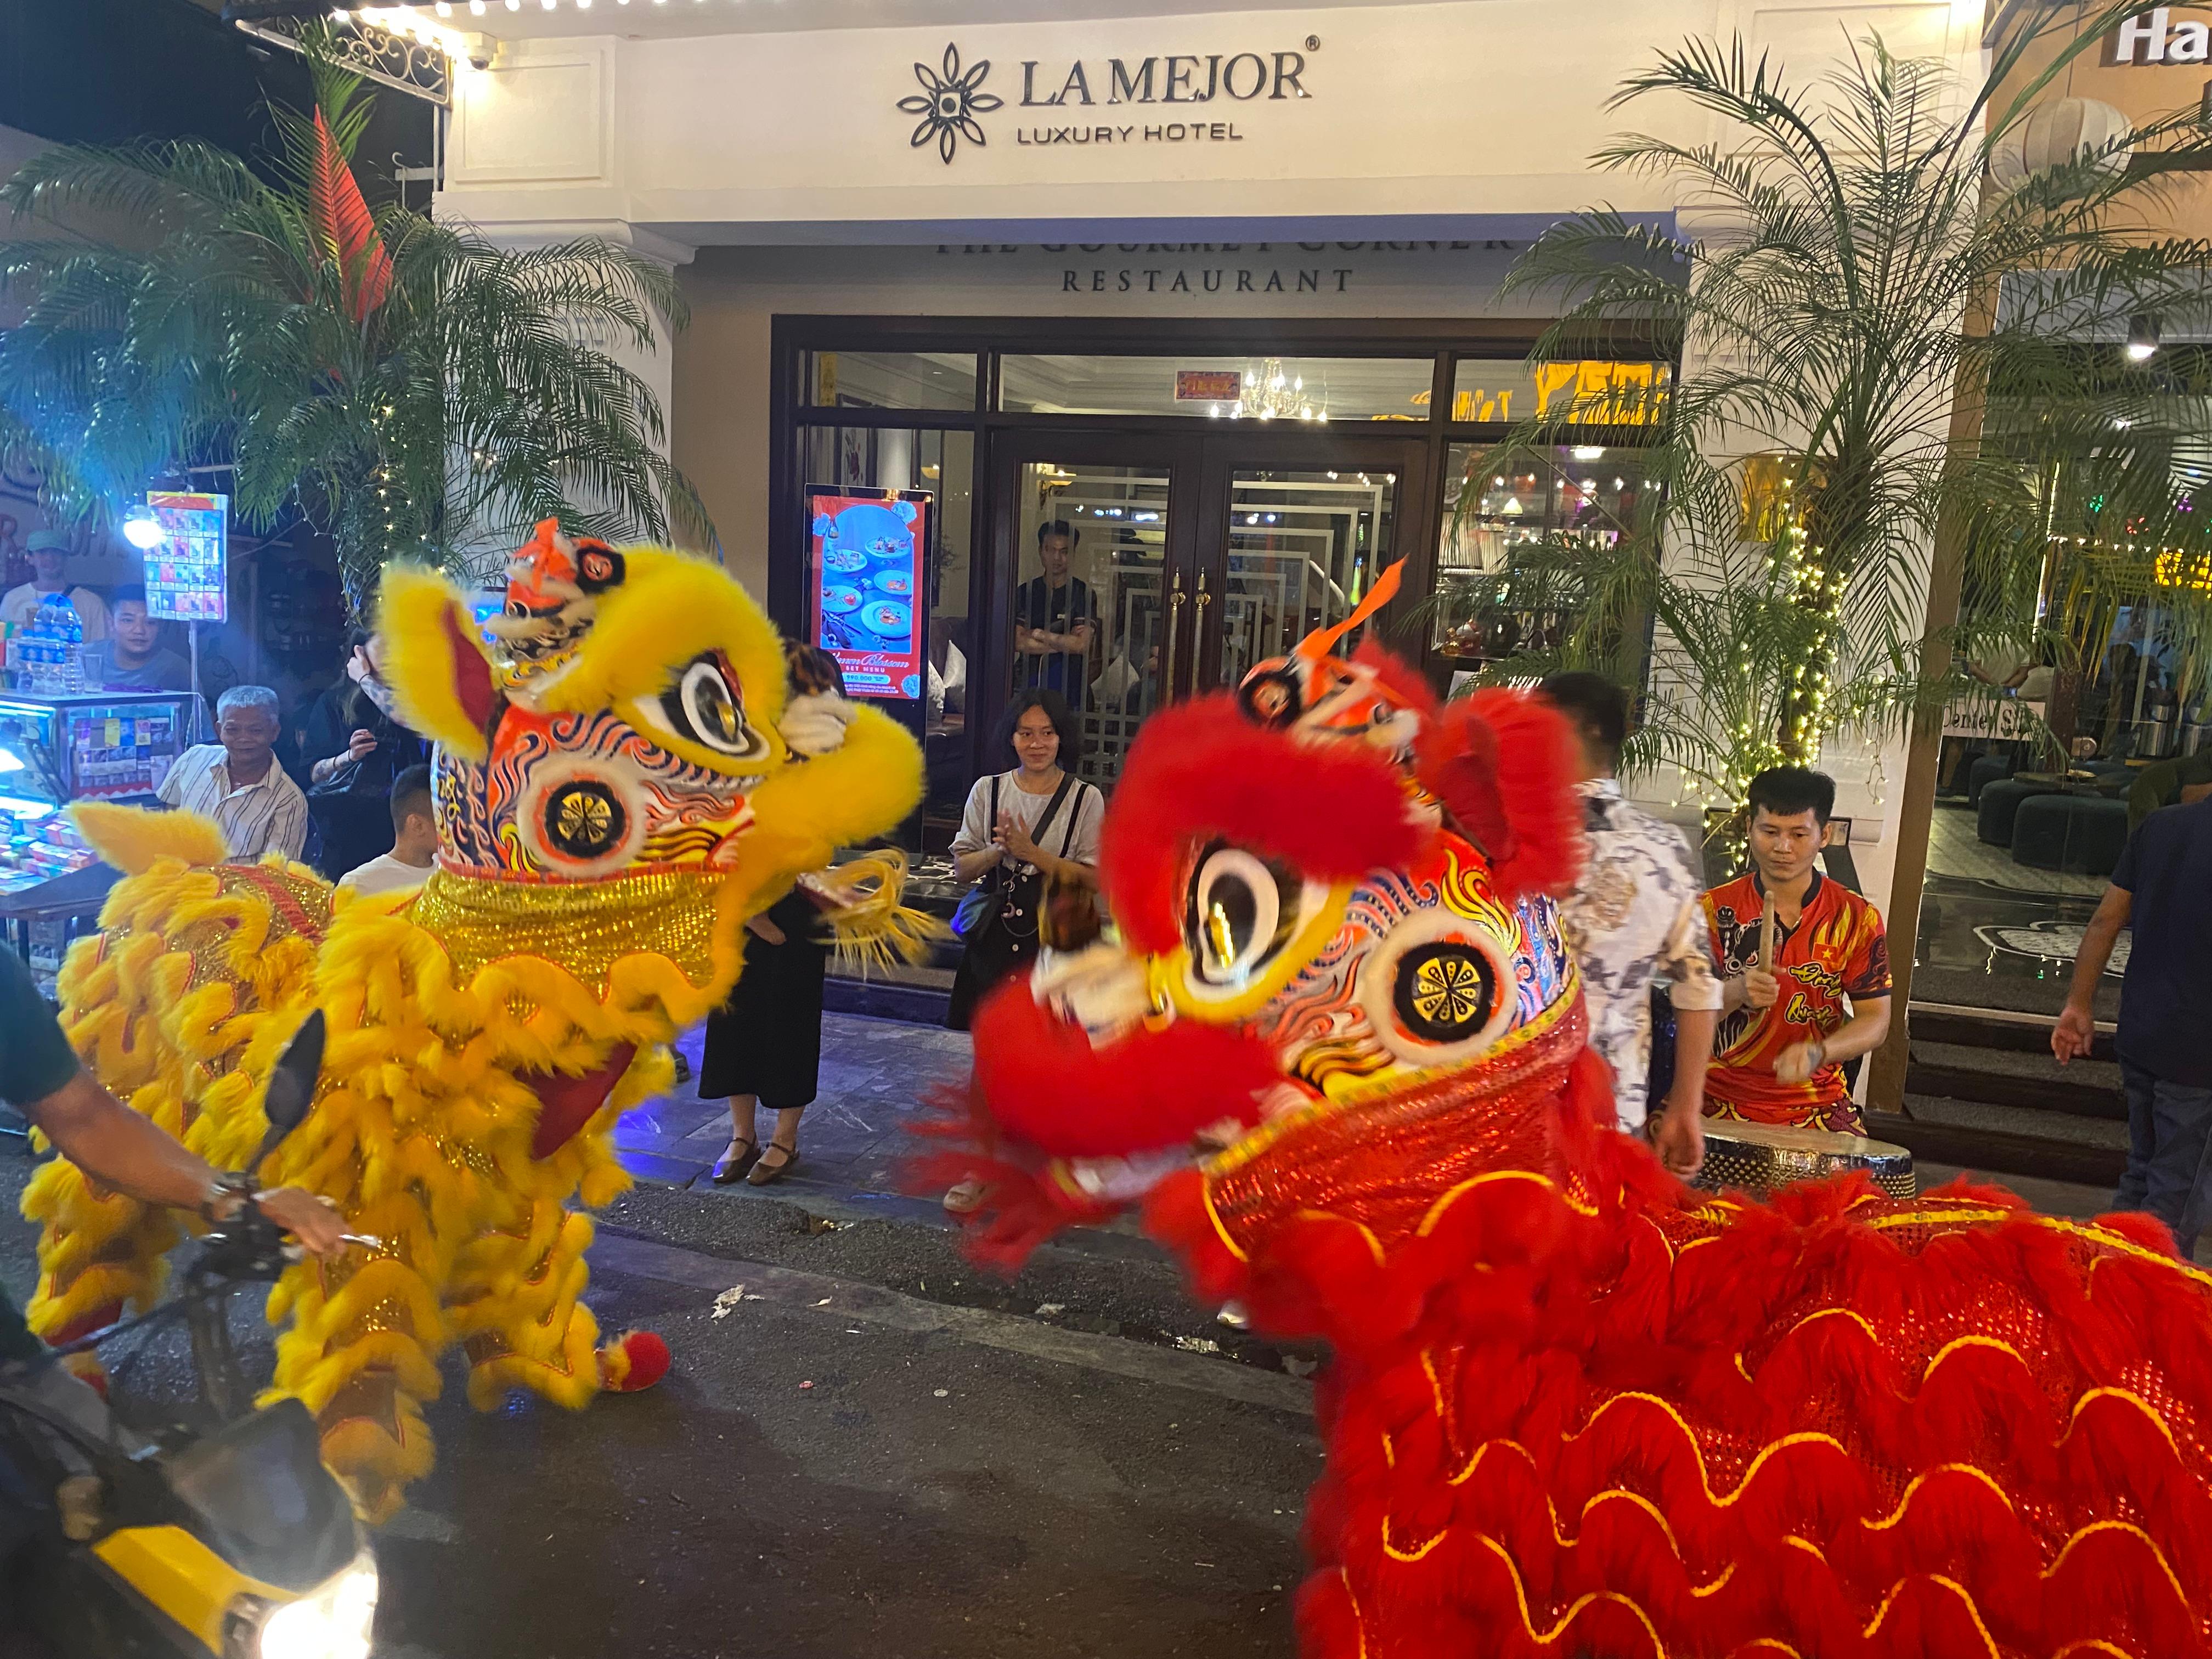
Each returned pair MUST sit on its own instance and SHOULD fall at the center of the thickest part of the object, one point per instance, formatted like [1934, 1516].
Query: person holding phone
[1020, 827]
[358, 749]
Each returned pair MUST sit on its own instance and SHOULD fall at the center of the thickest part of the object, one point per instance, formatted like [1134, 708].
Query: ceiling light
[476, 8]
[1588, 452]
[142, 529]
[2143, 338]
[403, 20]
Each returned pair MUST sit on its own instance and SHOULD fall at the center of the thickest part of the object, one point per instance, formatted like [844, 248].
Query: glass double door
[1131, 570]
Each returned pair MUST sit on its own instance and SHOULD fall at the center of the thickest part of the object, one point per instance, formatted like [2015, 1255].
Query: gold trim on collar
[585, 927]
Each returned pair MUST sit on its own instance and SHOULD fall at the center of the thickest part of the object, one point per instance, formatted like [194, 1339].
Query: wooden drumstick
[1767, 949]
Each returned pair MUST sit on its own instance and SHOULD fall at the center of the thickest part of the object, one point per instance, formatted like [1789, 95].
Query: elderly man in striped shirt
[237, 781]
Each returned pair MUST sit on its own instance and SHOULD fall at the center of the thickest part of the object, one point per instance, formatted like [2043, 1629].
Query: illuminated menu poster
[864, 575]
[184, 570]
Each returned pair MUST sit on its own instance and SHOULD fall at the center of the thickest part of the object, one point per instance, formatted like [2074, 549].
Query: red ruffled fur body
[1578, 1410]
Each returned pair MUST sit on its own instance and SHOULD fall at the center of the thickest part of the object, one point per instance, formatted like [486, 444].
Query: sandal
[765, 1174]
[735, 1164]
[967, 1195]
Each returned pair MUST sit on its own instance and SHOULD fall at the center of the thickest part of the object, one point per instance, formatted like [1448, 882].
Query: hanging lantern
[2057, 133]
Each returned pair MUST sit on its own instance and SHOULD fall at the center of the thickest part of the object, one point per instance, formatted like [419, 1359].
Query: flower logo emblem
[949, 103]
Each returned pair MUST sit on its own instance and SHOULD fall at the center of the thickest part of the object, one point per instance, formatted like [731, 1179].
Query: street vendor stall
[110, 746]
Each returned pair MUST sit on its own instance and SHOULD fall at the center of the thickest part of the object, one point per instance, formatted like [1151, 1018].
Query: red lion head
[1331, 893]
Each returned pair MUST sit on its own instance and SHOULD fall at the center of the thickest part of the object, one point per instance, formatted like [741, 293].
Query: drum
[1758, 1157]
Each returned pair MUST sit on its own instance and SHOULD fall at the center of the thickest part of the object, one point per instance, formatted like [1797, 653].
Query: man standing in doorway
[1055, 620]
[1784, 1029]
[1635, 915]
[50, 557]
[2163, 886]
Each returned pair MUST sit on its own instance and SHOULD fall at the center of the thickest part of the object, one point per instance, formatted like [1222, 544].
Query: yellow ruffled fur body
[465, 1023]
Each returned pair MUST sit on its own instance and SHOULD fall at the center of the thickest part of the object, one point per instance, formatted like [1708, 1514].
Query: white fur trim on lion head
[815, 723]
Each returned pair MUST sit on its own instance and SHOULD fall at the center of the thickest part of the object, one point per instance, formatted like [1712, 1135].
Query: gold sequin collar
[585, 927]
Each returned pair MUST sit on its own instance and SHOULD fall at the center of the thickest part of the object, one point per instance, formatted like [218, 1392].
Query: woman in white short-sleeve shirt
[998, 851]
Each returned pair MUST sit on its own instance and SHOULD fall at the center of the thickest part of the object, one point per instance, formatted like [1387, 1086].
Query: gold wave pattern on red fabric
[1601, 1416]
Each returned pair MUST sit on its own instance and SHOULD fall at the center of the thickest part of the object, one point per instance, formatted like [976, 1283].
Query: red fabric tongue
[565, 1105]
[1043, 1083]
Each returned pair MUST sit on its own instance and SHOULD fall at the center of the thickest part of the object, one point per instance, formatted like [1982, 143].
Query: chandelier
[1272, 395]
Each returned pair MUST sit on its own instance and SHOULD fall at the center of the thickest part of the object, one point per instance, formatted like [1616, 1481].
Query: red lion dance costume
[1575, 1408]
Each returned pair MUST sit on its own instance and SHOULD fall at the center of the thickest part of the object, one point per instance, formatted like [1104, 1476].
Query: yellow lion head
[625, 726]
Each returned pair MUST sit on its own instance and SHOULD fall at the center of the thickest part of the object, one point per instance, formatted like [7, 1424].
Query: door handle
[1197, 626]
[1168, 652]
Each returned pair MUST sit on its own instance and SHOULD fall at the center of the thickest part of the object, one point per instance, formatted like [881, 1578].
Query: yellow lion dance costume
[620, 786]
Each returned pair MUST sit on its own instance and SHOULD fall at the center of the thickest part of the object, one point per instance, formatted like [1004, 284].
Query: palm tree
[404, 386]
[1856, 284]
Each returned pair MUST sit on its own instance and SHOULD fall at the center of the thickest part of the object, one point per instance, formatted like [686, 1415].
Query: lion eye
[703, 707]
[1239, 911]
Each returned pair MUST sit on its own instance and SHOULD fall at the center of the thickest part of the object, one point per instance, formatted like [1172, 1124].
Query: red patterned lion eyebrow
[1334, 809]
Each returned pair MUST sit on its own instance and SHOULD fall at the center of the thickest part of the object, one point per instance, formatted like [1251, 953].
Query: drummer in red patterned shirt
[1785, 1026]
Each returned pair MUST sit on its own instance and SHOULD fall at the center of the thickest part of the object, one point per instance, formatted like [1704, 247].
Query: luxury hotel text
[1175, 132]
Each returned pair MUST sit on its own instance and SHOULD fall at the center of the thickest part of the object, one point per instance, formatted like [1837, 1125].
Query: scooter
[228, 1543]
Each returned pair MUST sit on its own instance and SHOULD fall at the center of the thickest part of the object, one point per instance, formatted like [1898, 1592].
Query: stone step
[2007, 1141]
[2015, 1078]
[1979, 1028]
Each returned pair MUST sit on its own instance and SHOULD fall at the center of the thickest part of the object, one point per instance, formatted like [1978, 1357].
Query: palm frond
[1832, 282]
[409, 387]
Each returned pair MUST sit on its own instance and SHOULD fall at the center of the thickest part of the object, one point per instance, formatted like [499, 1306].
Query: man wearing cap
[50, 553]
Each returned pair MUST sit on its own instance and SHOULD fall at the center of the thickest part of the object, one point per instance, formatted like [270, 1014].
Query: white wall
[1421, 111]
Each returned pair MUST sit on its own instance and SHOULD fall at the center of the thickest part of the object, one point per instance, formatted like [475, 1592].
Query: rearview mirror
[291, 1084]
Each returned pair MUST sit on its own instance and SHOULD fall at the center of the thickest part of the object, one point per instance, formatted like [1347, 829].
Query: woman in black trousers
[764, 1044]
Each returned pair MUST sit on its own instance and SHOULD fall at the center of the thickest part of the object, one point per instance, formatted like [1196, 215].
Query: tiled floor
[1953, 849]
[1994, 934]
[875, 1074]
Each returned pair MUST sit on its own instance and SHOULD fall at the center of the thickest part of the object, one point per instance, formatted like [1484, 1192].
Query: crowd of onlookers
[363, 817]
[342, 784]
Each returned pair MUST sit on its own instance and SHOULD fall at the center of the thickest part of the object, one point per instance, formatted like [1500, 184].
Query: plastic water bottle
[54, 626]
[69, 631]
[35, 636]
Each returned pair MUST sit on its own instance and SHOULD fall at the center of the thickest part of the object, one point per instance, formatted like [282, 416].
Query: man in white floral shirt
[1635, 916]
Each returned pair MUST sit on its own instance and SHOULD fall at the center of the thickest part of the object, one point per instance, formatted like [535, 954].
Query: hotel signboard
[1171, 98]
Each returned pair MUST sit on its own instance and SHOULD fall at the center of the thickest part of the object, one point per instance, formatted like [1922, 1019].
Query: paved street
[876, 1450]
[835, 1469]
